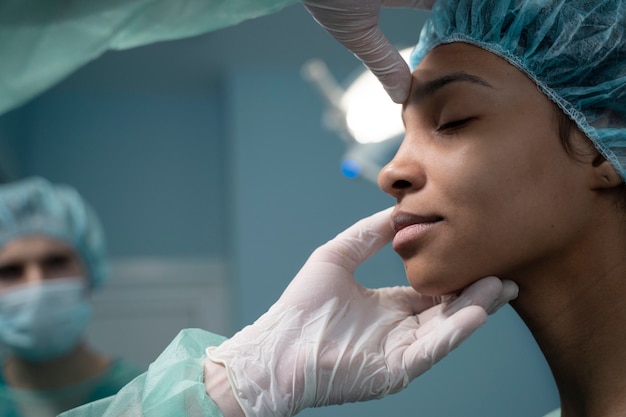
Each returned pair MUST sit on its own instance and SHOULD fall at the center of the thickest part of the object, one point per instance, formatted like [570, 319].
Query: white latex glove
[354, 23]
[328, 340]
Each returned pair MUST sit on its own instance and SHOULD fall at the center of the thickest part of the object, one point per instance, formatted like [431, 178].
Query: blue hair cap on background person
[34, 206]
[574, 50]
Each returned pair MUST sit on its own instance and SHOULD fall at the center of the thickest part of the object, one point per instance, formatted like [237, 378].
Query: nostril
[401, 185]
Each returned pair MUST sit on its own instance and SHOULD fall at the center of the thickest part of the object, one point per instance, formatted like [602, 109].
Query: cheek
[489, 203]
[73, 268]
[78, 270]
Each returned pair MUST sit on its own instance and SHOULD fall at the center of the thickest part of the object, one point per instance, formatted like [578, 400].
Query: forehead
[459, 57]
[34, 247]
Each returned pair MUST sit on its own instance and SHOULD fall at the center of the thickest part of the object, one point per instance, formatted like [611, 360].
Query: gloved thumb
[354, 245]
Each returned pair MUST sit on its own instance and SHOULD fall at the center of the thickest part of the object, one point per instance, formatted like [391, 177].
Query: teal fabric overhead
[43, 41]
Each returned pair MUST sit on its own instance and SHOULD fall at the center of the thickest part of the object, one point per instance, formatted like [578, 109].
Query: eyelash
[453, 125]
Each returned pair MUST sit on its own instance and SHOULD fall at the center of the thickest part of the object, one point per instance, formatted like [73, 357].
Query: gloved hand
[328, 340]
[354, 23]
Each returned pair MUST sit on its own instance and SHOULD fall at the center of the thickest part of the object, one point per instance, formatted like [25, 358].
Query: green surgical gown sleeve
[172, 386]
[43, 41]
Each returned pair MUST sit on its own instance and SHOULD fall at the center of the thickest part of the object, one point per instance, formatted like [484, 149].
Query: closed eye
[455, 124]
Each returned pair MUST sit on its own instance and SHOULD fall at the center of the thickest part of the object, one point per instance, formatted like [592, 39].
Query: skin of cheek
[507, 203]
[457, 253]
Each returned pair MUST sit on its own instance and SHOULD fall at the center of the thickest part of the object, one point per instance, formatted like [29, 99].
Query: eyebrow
[431, 87]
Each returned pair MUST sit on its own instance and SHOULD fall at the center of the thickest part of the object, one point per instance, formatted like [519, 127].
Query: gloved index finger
[354, 245]
[385, 62]
[354, 24]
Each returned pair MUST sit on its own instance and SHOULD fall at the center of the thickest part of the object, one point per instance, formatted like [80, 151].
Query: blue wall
[213, 146]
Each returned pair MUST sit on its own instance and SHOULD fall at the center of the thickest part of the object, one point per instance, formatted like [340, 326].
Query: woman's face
[482, 182]
[32, 259]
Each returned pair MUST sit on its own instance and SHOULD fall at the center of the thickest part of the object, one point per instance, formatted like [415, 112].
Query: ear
[604, 175]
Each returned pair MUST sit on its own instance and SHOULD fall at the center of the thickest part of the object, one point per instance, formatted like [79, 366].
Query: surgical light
[362, 114]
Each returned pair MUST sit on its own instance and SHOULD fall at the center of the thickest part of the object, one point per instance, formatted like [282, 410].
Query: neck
[79, 365]
[577, 314]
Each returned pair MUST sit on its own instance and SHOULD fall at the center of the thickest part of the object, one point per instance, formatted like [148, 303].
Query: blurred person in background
[52, 256]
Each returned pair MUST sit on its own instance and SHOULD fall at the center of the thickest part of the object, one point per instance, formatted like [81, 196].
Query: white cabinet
[147, 301]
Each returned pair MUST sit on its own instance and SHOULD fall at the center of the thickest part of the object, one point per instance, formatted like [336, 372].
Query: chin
[435, 283]
[433, 289]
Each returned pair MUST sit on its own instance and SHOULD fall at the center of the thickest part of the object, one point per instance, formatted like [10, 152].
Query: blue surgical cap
[34, 206]
[574, 50]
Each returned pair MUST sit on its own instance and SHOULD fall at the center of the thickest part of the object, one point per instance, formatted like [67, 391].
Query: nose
[33, 273]
[403, 174]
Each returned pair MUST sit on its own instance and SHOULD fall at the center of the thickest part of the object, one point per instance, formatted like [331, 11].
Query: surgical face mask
[40, 322]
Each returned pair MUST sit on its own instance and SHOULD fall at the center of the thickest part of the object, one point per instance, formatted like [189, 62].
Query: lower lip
[411, 234]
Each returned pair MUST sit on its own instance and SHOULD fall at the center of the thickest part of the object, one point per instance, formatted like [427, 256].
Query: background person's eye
[56, 262]
[11, 272]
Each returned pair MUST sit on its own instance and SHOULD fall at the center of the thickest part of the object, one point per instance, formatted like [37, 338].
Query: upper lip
[400, 220]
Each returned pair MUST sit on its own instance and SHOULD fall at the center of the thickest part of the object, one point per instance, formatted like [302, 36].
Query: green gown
[172, 386]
